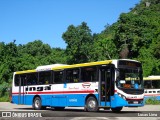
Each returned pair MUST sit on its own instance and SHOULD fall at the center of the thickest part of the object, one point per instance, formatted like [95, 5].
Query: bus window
[147, 84]
[58, 76]
[16, 80]
[44, 77]
[32, 78]
[21, 77]
[72, 75]
[88, 74]
[156, 84]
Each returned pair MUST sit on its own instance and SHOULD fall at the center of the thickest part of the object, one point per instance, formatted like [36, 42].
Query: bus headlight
[122, 96]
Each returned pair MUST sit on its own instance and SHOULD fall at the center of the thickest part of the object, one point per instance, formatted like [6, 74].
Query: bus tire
[91, 104]
[37, 103]
[117, 109]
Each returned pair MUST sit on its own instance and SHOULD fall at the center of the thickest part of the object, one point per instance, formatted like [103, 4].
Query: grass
[4, 99]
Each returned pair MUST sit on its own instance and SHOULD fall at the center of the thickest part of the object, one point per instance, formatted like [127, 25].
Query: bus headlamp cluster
[122, 96]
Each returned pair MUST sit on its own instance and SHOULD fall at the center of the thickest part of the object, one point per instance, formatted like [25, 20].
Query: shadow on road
[77, 110]
[69, 112]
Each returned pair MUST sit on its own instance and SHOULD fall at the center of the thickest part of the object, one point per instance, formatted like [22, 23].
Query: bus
[152, 87]
[109, 84]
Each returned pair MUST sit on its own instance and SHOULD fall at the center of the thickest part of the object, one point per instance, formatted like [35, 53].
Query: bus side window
[58, 76]
[88, 74]
[156, 84]
[16, 80]
[32, 79]
[76, 75]
[147, 84]
[45, 77]
[22, 78]
[69, 76]
[72, 75]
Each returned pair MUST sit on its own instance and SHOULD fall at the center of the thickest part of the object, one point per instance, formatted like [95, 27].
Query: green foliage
[5, 98]
[23, 57]
[82, 46]
[103, 48]
[4, 94]
[136, 35]
[79, 43]
[152, 101]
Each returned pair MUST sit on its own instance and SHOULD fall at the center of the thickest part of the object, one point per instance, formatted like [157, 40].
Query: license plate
[135, 102]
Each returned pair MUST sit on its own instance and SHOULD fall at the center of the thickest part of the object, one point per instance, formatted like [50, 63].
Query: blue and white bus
[152, 87]
[109, 84]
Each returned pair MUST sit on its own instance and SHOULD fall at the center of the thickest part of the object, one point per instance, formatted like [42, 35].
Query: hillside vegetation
[136, 35]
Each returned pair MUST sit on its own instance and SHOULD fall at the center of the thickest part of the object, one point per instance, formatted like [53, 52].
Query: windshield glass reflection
[129, 78]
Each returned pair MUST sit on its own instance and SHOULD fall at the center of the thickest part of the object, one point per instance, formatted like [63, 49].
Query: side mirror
[117, 72]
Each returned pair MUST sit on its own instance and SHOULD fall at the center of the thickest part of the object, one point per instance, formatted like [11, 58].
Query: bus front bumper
[117, 101]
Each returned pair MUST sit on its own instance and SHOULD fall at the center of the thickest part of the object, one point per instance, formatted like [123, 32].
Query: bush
[4, 99]
[152, 101]
[4, 93]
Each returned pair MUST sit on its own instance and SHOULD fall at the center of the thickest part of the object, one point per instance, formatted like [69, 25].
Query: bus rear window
[16, 80]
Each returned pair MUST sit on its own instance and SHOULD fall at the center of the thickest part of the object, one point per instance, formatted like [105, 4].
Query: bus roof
[63, 66]
[48, 67]
[152, 78]
[83, 65]
[25, 71]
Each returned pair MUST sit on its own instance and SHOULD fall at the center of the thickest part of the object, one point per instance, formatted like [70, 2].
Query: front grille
[135, 102]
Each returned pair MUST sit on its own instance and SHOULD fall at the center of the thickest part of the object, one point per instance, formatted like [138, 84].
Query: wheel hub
[37, 103]
[92, 104]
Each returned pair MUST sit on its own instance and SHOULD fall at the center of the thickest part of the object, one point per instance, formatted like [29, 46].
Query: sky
[46, 20]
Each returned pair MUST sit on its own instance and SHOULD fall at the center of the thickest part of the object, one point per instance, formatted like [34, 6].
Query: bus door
[59, 99]
[104, 85]
[21, 89]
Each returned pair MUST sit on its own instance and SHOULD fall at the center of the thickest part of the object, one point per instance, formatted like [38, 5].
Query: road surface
[7, 110]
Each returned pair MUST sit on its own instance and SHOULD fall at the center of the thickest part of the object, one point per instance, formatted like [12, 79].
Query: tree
[79, 43]
[104, 47]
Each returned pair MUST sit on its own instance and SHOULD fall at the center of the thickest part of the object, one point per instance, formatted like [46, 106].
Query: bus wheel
[37, 104]
[117, 109]
[91, 104]
[59, 108]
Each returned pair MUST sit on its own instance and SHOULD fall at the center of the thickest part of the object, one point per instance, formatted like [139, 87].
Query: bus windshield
[129, 78]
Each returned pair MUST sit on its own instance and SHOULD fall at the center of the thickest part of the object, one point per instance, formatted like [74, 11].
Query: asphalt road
[8, 110]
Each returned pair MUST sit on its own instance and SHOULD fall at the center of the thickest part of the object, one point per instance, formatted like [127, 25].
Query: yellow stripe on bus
[83, 65]
[26, 71]
[147, 78]
[70, 66]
